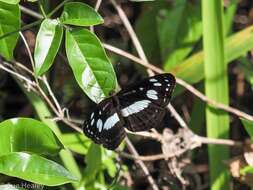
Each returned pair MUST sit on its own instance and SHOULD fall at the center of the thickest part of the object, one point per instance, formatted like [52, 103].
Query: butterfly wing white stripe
[135, 108]
[152, 94]
[111, 121]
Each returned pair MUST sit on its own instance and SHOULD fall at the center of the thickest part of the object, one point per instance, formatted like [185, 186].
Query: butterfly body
[138, 107]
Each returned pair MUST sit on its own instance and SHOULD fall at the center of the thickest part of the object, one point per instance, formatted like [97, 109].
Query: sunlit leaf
[9, 22]
[92, 69]
[47, 44]
[10, 1]
[80, 14]
[25, 134]
[35, 169]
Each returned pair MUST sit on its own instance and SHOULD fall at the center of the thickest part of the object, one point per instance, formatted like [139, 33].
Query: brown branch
[227, 142]
[142, 158]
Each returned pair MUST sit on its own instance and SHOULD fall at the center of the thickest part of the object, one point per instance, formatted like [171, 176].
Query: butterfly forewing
[104, 125]
[143, 105]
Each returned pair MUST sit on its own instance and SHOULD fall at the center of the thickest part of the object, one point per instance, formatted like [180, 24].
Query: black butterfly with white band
[138, 108]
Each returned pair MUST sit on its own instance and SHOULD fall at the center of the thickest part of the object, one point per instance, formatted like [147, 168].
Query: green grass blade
[229, 16]
[216, 88]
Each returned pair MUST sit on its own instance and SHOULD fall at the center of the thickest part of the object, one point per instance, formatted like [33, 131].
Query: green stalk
[216, 88]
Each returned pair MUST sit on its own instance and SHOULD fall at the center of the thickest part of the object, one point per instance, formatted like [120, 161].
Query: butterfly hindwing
[104, 125]
[143, 105]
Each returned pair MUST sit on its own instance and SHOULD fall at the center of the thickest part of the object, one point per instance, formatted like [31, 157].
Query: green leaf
[168, 26]
[10, 1]
[179, 28]
[246, 169]
[248, 125]
[229, 16]
[47, 44]
[76, 142]
[108, 162]
[8, 44]
[92, 69]
[35, 169]
[25, 134]
[93, 161]
[80, 14]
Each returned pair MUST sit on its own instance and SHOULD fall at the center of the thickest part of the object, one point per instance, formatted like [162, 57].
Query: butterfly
[138, 107]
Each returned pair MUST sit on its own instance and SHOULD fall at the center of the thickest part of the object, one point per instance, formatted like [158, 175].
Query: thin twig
[30, 12]
[214, 103]
[29, 54]
[151, 135]
[21, 66]
[132, 57]
[227, 142]
[177, 116]
[130, 30]
[44, 79]
[182, 83]
[143, 158]
[142, 165]
[72, 125]
[28, 81]
[98, 3]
